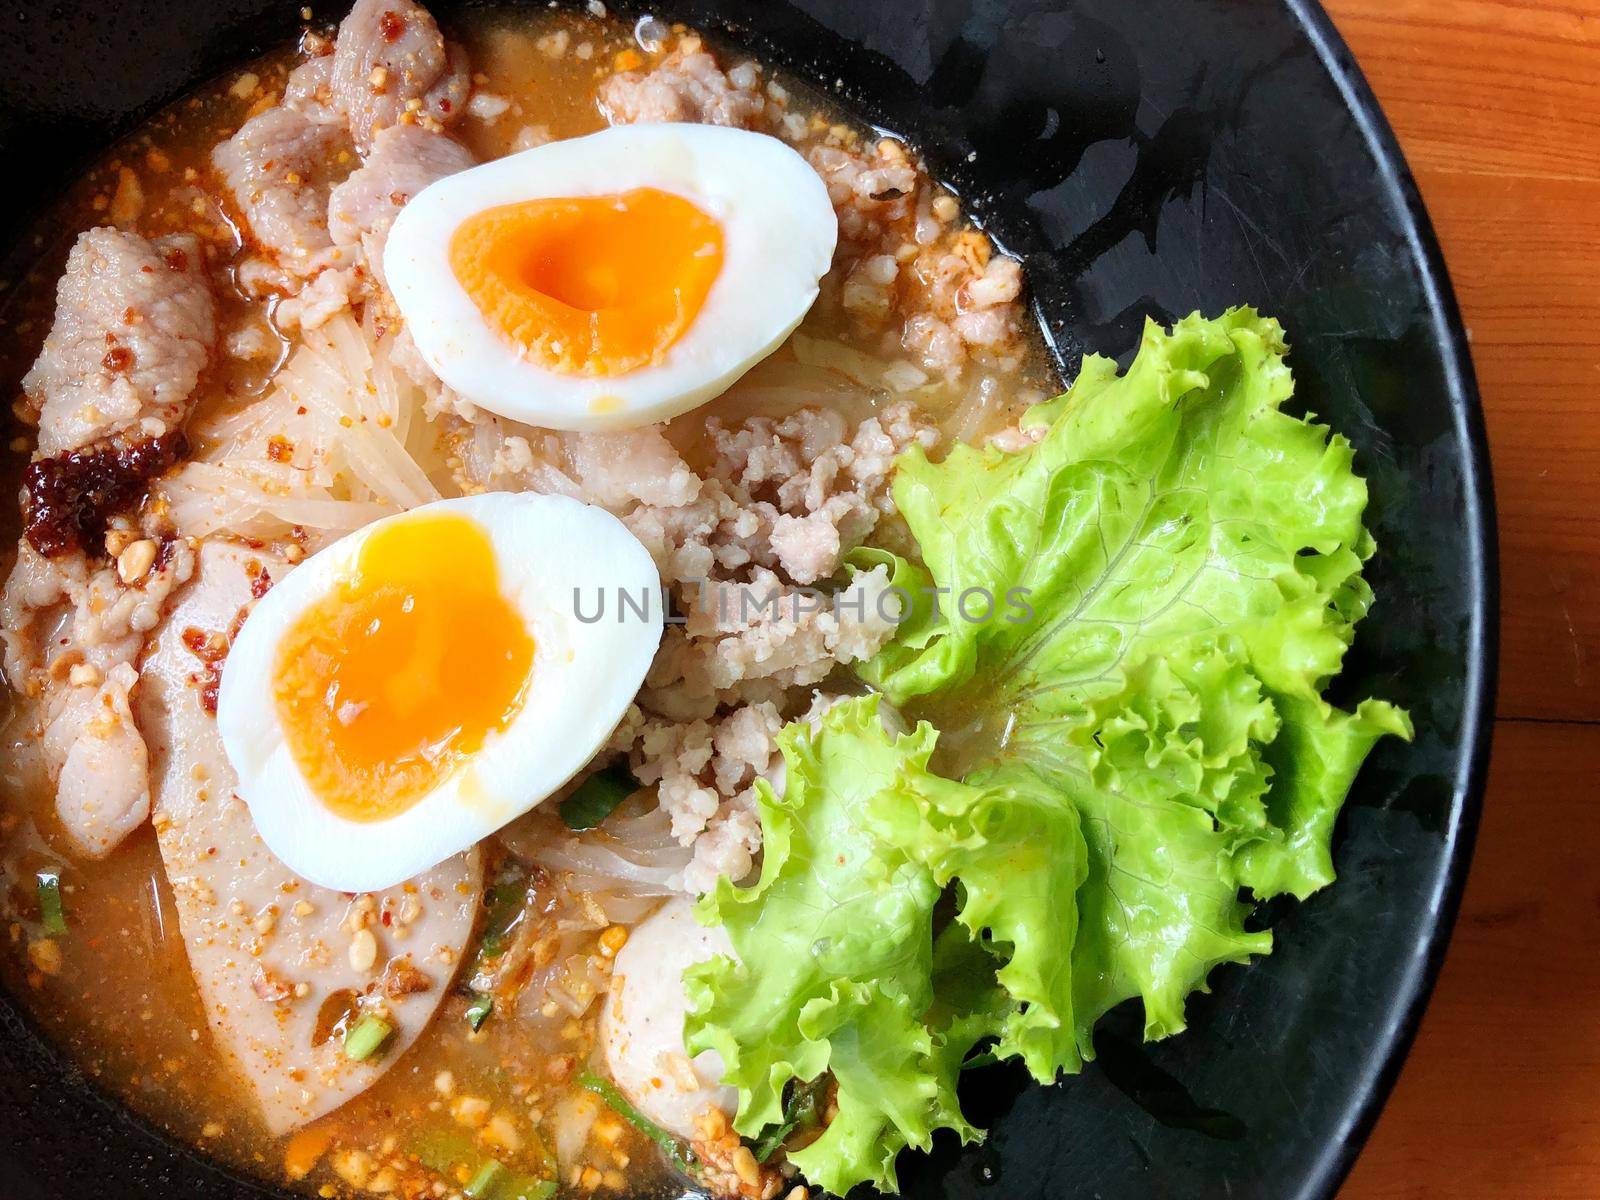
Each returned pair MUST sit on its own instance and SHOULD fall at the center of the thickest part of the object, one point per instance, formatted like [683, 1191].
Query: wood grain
[1498, 1098]
[1497, 104]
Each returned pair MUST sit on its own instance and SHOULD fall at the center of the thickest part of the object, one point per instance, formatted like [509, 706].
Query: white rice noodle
[782, 385]
[334, 445]
[965, 411]
[552, 480]
[574, 1116]
[631, 857]
[977, 412]
[863, 369]
[572, 978]
[580, 984]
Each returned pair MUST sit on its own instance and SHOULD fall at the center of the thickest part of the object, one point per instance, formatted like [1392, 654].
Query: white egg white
[549, 549]
[779, 232]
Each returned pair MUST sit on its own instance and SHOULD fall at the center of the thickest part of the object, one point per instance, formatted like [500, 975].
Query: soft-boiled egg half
[410, 689]
[613, 280]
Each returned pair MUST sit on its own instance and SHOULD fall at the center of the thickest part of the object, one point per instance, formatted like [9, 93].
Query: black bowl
[1147, 157]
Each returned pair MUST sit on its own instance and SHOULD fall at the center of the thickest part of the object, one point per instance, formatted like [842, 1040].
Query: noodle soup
[307, 1034]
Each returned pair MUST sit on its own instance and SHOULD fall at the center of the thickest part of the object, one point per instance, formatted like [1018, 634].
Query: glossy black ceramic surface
[1147, 157]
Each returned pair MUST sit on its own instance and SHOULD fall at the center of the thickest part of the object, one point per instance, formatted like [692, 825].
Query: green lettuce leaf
[1135, 622]
[838, 969]
[835, 957]
[1175, 571]
[1018, 854]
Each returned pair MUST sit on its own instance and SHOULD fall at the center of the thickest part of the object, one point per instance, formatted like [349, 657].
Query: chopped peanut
[501, 1131]
[84, 675]
[135, 561]
[45, 955]
[128, 200]
[354, 1167]
[471, 1111]
[363, 950]
[745, 1166]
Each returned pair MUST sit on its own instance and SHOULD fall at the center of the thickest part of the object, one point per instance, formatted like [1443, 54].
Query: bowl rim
[1402, 1018]
[1407, 1004]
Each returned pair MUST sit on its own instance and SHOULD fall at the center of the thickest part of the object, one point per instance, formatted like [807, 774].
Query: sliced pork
[134, 326]
[276, 166]
[391, 62]
[277, 960]
[403, 160]
[309, 91]
[103, 779]
[73, 636]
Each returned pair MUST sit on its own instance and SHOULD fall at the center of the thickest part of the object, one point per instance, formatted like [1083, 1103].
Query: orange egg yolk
[389, 683]
[590, 285]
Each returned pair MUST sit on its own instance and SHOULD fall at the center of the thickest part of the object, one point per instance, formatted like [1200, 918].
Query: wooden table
[1497, 103]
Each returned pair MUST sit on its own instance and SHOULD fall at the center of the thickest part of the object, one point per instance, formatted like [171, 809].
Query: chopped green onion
[768, 1145]
[523, 1187]
[493, 1181]
[478, 1011]
[493, 944]
[363, 1039]
[802, 1101]
[441, 1150]
[682, 1156]
[597, 797]
[503, 903]
[486, 1175]
[50, 910]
